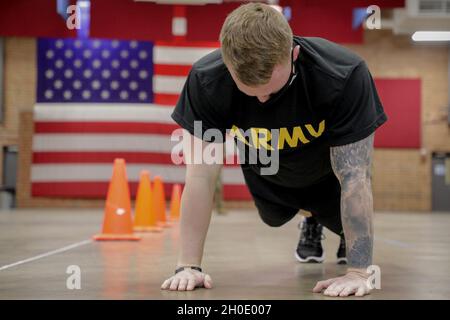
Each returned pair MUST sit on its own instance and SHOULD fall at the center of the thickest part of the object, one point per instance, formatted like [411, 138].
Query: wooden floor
[246, 259]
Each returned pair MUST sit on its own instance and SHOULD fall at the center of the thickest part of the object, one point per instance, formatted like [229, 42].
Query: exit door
[441, 182]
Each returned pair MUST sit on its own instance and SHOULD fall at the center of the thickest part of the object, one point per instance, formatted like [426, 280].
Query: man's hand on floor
[354, 282]
[187, 280]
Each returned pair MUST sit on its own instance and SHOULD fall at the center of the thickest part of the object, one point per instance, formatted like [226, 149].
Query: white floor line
[47, 254]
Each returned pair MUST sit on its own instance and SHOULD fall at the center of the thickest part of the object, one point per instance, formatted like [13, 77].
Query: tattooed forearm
[352, 165]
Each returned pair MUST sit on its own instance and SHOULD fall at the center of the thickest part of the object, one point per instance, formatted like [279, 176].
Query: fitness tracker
[190, 267]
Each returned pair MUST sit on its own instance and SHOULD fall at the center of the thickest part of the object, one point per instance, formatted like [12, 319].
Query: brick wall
[402, 178]
[19, 88]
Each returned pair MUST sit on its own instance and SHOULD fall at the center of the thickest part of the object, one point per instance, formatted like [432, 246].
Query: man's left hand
[352, 283]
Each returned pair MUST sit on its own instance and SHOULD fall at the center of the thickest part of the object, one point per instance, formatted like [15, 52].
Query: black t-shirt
[332, 101]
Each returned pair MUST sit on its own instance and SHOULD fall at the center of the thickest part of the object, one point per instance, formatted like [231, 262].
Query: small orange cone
[160, 201]
[117, 221]
[144, 215]
[175, 203]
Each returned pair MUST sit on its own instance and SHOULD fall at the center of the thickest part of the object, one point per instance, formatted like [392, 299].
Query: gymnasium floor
[246, 259]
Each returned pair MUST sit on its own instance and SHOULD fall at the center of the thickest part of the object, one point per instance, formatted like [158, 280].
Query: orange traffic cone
[144, 215]
[175, 203]
[117, 221]
[160, 201]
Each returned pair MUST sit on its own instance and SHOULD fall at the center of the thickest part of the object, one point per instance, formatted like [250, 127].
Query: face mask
[276, 96]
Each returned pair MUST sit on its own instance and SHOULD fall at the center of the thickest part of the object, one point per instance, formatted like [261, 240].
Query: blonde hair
[254, 38]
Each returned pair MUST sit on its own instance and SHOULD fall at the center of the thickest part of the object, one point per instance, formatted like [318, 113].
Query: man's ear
[296, 52]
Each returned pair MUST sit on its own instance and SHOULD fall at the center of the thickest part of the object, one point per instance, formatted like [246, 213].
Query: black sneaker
[309, 248]
[341, 253]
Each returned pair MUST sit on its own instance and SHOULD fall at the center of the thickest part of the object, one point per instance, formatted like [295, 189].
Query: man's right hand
[196, 209]
[187, 280]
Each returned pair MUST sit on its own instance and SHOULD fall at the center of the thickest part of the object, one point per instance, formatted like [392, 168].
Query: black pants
[277, 204]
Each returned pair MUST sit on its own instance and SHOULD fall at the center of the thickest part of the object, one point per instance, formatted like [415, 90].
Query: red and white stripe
[74, 146]
[172, 62]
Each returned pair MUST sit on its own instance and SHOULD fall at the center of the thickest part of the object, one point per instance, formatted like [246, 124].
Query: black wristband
[191, 267]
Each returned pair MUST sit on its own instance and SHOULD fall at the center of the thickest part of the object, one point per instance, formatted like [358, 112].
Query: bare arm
[352, 165]
[196, 206]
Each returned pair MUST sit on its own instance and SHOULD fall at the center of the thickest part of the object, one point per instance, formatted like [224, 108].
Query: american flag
[87, 70]
[102, 99]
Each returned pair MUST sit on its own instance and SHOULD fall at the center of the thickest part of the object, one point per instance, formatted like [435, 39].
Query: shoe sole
[341, 260]
[310, 259]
